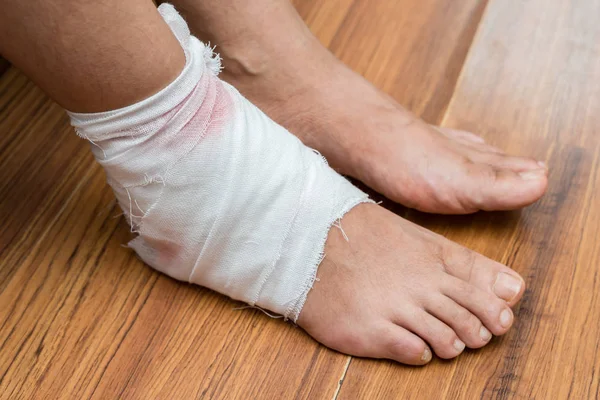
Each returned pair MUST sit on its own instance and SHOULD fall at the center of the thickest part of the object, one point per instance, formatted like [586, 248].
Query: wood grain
[413, 49]
[33, 166]
[529, 85]
[82, 317]
[324, 17]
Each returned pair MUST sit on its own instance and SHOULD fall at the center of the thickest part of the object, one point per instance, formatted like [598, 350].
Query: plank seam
[467, 56]
[342, 378]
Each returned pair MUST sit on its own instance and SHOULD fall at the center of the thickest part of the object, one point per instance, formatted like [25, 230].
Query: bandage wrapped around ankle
[219, 194]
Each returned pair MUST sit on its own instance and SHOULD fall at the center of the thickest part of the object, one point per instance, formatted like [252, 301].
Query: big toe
[492, 188]
[484, 273]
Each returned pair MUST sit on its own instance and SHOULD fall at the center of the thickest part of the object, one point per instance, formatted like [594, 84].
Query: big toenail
[426, 355]
[507, 286]
[506, 318]
[533, 174]
[484, 334]
[459, 345]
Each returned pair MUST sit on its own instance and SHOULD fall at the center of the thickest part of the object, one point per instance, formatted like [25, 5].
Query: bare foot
[366, 134]
[395, 289]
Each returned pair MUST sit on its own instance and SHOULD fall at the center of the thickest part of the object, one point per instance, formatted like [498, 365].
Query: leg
[91, 56]
[363, 132]
[227, 204]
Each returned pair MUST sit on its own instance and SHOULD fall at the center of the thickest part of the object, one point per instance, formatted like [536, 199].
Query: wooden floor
[82, 317]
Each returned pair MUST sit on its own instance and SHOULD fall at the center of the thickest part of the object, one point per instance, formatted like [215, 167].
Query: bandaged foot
[223, 197]
[219, 194]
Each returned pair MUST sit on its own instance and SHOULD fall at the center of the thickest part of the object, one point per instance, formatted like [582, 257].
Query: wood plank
[40, 158]
[529, 85]
[48, 330]
[413, 49]
[324, 17]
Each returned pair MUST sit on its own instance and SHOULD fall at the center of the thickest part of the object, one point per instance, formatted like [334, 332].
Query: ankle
[283, 63]
[289, 84]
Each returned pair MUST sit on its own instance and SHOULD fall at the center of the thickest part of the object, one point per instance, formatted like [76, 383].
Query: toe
[398, 344]
[507, 285]
[382, 339]
[493, 312]
[444, 341]
[489, 188]
[466, 325]
[485, 274]
[488, 275]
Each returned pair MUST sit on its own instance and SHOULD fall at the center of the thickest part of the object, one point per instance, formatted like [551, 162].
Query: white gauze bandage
[219, 194]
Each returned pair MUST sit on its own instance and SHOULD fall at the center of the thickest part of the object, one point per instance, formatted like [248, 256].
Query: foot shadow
[495, 220]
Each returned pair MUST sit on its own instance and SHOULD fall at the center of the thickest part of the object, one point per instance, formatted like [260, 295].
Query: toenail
[484, 334]
[533, 174]
[542, 164]
[507, 286]
[459, 345]
[426, 355]
[506, 318]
